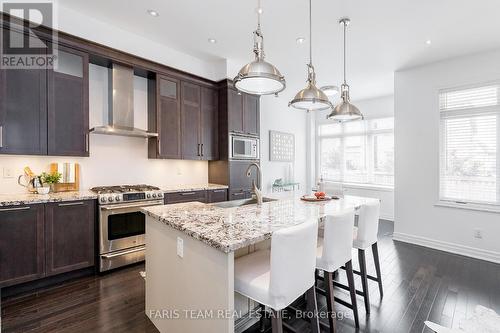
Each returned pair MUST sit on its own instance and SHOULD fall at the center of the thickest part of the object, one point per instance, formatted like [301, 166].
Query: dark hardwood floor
[419, 284]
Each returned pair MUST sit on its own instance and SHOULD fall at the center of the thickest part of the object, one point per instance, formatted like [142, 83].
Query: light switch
[180, 247]
[8, 172]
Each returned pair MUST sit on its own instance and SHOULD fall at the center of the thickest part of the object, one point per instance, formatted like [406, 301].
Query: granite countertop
[192, 187]
[33, 198]
[229, 229]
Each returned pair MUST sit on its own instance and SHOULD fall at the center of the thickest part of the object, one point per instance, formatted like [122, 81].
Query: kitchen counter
[229, 229]
[33, 198]
[191, 251]
[191, 187]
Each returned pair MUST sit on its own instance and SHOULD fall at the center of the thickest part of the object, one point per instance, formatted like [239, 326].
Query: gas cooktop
[126, 193]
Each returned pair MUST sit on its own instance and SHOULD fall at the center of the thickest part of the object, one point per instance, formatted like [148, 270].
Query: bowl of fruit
[317, 196]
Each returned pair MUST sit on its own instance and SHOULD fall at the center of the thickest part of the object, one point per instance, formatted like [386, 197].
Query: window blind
[469, 130]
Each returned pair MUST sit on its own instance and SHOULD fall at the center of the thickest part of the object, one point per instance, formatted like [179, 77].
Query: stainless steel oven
[122, 225]
[243, 147]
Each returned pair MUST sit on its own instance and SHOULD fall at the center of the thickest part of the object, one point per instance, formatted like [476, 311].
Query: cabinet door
[169, 118]
[190, 121]
[235, 111]
[238, 179]
[251, 119]
[69, 236]
[21, 244]
[23, 111]
[68, 104]
[209, 124]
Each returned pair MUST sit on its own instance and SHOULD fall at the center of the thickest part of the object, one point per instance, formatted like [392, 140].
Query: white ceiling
[384, 36]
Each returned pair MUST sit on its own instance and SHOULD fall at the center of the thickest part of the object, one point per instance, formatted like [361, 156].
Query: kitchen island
[190, 252]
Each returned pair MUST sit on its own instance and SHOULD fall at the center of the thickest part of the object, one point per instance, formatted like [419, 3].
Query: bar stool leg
[330, 300]
[352, 291]
[377, 268]
[364, 278]
[276, 322]
[312, 306]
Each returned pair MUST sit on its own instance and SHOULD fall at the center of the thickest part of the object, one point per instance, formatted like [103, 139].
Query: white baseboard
[467, 251]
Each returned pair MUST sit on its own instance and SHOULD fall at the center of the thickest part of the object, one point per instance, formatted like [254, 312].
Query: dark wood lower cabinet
[238, 194]
[69, 236]
[217, 195]
[188, 196]
[22, 256]
[42, 240]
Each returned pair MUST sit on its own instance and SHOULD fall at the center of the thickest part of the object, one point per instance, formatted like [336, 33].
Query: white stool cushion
[366, 233]
[252, 274]
[279, 277]
[335, 247]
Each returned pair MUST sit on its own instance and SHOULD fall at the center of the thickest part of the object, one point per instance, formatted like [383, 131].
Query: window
[469, 135]
[357, 152]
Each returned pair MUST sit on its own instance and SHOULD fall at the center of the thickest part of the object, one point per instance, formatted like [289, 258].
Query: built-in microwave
[243, 147]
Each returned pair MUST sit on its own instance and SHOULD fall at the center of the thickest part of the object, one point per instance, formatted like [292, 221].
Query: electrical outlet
[478, 233]
[179, 172]
[8, 172]
[180, 247]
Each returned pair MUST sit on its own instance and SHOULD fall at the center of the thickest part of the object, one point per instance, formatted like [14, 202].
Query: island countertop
[229, 229]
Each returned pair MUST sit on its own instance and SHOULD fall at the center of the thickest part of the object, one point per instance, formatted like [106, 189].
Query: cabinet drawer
[178, 197]
[239, 194]
[217, 195]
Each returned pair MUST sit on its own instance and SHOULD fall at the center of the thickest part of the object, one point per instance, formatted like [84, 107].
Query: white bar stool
[334, 251]
[365, 235]
[279, 276]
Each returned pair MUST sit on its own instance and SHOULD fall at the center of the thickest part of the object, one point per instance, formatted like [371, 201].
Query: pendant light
[259, 77]
[345, 111]
[311, 98]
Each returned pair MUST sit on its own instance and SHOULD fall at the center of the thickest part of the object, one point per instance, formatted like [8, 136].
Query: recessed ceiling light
[300, 40]
[153, 12]
[212, 40]
[330, 91]
[428, 42]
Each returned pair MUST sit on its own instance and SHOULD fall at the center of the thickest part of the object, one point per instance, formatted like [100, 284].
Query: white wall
[371, 108]
[418, 220]
[276, 115]
[113, 159]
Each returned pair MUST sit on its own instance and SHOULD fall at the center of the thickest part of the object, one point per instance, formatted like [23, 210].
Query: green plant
[50, 178]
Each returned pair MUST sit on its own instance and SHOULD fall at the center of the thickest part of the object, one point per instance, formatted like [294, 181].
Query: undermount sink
[239, 203]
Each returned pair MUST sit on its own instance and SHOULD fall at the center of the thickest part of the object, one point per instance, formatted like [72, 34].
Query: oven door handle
[131, 206]
[121, 253]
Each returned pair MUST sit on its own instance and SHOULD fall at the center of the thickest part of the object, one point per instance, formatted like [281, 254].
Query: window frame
[482, 110]
[368, 135]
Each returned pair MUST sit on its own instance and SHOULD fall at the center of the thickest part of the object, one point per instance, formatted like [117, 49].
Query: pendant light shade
[259, 77]
[310, 98]
[345, 111]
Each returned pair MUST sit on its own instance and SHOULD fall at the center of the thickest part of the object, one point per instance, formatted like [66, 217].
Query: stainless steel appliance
[122, 225]
[243, 147]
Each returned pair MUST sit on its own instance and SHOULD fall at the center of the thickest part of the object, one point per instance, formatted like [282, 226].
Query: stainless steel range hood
[121, 105]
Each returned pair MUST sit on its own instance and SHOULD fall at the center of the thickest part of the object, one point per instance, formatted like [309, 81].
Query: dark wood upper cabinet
[235, 111]
[190, 121]
[243, 112]
[69, 236]
[251, 114]
[68, 104]
[165, 117]
[23, 111]
[209, 124]
[22, 256]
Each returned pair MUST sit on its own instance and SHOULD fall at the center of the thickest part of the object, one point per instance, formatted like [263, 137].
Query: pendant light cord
[259, 12]
[310, 33]
[345, 28]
